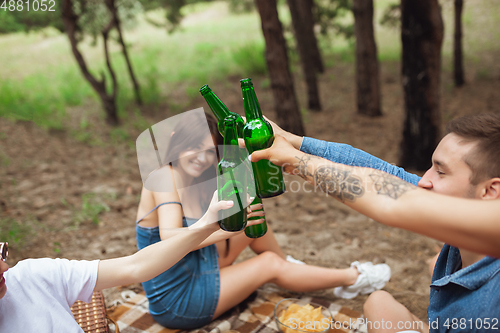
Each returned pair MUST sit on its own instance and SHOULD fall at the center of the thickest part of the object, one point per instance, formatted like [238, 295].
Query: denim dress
[186, 295]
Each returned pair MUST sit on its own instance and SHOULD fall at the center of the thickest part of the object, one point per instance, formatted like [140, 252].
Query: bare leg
[384, 314]
[267, 243]
[239, 242]
[236, 244]
[238, 281]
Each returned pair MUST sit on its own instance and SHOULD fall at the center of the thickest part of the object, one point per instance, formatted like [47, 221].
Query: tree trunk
[70, 20]
[367, 73]
[298, 11]
[458, 65]
[111, 4]
[422, 37]
[110, 101]
[287, 109]
[309, 17]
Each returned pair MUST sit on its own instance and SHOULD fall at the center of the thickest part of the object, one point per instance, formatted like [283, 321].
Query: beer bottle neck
[231, 149]
[218, 108]
[230, 135]
[251, 104]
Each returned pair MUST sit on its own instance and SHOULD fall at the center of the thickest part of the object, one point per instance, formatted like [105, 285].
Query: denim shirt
[345, 154]
[461, 300]
[464, 300]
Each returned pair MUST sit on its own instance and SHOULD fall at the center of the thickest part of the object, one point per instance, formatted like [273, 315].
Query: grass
[13, 231]
[42, 81]
[93, 204]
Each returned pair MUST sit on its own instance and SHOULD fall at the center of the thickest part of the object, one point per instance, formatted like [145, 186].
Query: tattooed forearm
[302, 167]
[338, 183]
[391, 186]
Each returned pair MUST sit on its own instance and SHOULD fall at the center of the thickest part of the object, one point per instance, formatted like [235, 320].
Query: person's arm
[157, 258]
[170, 220]
[343, 154]
[464, 223]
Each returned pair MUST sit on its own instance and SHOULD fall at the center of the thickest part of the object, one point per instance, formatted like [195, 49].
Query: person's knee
[372, 304]
[272, 261]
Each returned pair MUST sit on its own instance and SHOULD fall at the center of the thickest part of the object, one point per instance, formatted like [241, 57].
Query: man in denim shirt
[465, 289]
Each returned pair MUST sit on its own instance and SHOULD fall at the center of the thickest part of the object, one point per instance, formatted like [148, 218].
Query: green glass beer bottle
[258, 230]
[231, 180]
[258, 134]
[220, 110]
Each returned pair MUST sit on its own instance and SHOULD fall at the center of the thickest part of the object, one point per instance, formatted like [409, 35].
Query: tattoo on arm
[302, 167]
[343, 185]
[391, 186]
[338, 183]
[332, 180]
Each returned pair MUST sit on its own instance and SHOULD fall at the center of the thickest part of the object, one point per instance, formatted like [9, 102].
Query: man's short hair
[484, 130]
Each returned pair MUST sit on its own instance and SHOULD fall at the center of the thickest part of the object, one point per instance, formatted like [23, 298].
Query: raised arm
[170, 221]
[157, 258]
[343, 154]
[394, 202]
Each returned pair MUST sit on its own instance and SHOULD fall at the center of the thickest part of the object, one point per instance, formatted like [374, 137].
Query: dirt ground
[45, 174]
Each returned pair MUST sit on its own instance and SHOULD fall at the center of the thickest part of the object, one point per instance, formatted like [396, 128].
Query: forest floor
[53, 184]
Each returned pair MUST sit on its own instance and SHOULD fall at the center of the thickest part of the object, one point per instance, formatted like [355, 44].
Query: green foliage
[94, 15]
[250, 57]
[32, 99]
[24, 20]
[150, 89]
[72, 87]
[391, 16]
[9, 23]
[173, 11]
[330, 16]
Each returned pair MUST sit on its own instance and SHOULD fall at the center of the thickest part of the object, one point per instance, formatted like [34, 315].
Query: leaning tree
[98, 18]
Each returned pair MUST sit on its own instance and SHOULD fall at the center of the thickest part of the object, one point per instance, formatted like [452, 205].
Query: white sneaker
[371, 277]
[291, 259]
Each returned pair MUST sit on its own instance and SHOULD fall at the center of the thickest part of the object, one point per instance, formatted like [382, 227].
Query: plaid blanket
[256, 314]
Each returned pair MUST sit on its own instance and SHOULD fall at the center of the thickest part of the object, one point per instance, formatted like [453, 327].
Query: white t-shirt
[40, 293]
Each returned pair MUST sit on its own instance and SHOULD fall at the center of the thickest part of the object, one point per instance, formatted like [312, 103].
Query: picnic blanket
[254, 315]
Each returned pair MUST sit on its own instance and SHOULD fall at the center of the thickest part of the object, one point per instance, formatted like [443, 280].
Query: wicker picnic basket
[92, 316]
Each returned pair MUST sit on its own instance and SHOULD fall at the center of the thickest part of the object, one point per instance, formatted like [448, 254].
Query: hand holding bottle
[295, 140]
[211, 217]
[256, 210]
[281, 153]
